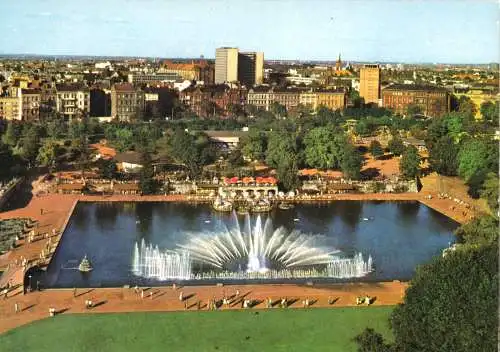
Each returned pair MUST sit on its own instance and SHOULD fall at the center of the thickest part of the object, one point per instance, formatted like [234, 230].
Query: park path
[35, 306]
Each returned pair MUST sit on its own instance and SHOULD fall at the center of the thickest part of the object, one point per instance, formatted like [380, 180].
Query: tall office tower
[369, 83]
[251, 68]
[226, 65]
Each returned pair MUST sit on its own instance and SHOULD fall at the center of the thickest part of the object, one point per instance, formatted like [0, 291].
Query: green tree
[287, 172]
[480, 230]
[324, 148]
[6, 161]
[107, 169]
[280, 145]
[489, 192]
[376, 149]
[56, 128]
[30, 143]
[147, 183]
[474, 159]
[467, 106]
[449, 303]
[351, 162]
[235, 158]
[443, 157]
[278, 110]
[12, 135]
[396, 146]
[48, 153]
[490, 111]
[413, 109]
[371, 341]
[255, 145]
[409, 166]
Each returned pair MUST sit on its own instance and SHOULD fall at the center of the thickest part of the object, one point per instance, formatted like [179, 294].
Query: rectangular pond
[154, 243]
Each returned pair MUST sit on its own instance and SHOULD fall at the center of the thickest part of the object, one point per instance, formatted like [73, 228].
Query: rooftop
[71, 87]
[415, 87]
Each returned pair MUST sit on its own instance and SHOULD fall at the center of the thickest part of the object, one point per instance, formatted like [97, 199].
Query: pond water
[120, 239]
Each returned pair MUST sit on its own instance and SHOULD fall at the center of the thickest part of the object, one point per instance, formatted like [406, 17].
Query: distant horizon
[16, 55]
[452, 31]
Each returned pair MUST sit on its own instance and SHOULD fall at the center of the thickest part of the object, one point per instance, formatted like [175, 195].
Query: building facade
[432, 101]
[72, 101]
[127, 103]
[30, 100]
[369, 83]
[207, 101]
[200, 70]
[251, 68]
[226, 65]
[10, 108]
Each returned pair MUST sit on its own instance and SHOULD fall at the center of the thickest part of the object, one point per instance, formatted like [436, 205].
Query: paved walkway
[36, 305]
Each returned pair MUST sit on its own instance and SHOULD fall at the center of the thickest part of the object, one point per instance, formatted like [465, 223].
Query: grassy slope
[277, 330]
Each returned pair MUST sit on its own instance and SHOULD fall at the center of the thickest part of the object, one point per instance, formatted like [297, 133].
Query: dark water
[398, 235]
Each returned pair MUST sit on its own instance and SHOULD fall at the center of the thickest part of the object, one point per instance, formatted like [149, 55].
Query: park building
[433, 101]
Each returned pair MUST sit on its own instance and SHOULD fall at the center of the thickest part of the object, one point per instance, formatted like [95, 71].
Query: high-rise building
[369, 83]
[251, 68]
[226, 65]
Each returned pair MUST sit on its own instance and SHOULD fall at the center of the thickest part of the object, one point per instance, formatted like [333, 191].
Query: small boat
[365, 219]
[207, 221]
[296, 220]
[85, 265]
[285, 206]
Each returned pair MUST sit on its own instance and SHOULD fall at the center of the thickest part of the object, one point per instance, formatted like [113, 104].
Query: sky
[445, 31]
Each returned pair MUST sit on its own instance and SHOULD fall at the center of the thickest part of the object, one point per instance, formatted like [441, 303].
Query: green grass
[277, 330]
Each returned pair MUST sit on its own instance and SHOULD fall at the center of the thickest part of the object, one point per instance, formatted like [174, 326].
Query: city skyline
[377, 31]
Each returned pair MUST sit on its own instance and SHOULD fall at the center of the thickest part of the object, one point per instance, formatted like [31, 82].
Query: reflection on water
[397, 235]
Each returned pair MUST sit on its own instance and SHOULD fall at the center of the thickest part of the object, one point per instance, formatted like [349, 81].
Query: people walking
[16, 307]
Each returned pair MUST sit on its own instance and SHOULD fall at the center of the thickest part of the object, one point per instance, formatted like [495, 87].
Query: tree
[280, 145]
[81, 148]
[147, 182]
[477, 157]
[287, 172]
[376, 149]
[278, 109]
[48, 153]
[467, 106]
[396, 146]
[351, 162]
[490, 111]
[255, 145]
[449, 303]
[413, 109]
[12, 134]
[56, 128]
[409, 166]
[324, 148]
[481, 230]
[443, 157]
[6, 161]
[235, 158]
[489, 192]
[107, 169]
[371, 341]
[30, 143]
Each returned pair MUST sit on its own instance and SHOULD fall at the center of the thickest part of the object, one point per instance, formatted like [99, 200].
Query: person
[181, 297]
[52, 312]
[74, 292]
[41, 211]
[151, 295]
[245, 303]
[330, 300]
[209, 307]
[237, 293]
[199, 305]
[185, 304]
[142, 294]
[16, 307]
[359, 300]
[136, 289]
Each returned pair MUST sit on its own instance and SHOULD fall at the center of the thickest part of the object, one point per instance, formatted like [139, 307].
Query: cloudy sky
[458, 31]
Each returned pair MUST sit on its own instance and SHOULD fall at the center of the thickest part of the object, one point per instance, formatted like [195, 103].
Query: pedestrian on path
[16, 307]
[74, 292]
[151, 295]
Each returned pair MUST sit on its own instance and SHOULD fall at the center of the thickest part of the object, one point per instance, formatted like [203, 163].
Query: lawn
[277, 330]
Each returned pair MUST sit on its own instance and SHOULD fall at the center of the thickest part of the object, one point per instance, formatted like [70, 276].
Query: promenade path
[52, 211]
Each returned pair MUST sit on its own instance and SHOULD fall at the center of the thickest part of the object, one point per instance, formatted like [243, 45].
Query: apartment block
[369, 83]
[226, 65]
[127, 103]
[72, 101]
[433, 101]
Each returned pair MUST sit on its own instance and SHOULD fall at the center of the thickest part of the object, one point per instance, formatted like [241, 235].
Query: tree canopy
[409, 165]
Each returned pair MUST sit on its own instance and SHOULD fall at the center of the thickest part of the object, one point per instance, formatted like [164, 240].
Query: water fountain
[251, 252]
